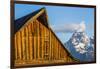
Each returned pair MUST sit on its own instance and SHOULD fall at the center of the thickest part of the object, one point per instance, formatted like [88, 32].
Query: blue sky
[61, 18]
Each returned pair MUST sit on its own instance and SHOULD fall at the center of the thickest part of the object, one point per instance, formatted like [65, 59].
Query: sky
[63, 20]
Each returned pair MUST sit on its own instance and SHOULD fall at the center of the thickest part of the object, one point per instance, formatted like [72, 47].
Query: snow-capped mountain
[81, 46]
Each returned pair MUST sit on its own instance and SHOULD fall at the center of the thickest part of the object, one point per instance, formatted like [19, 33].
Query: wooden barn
[35, 42]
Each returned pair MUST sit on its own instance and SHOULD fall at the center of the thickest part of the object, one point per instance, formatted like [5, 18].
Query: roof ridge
[21, 21]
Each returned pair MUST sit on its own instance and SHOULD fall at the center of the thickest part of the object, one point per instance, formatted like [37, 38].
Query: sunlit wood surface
[36, 44]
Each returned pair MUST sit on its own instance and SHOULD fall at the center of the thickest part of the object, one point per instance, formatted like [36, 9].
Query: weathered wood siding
[37, 44]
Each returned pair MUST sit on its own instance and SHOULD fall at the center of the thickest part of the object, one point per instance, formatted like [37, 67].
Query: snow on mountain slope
[81, 46]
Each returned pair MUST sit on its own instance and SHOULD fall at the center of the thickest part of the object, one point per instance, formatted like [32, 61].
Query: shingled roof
[21, 21]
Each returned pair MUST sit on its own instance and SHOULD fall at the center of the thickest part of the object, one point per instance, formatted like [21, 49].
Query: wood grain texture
[36, 44]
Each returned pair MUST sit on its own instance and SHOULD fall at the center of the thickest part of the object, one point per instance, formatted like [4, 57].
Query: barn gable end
[36, 43]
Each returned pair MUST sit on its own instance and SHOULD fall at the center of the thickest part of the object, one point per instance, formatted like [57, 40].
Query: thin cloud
[69, 27]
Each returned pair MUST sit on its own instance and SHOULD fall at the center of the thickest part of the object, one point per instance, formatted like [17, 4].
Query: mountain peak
[81, 46]
[79, 41]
